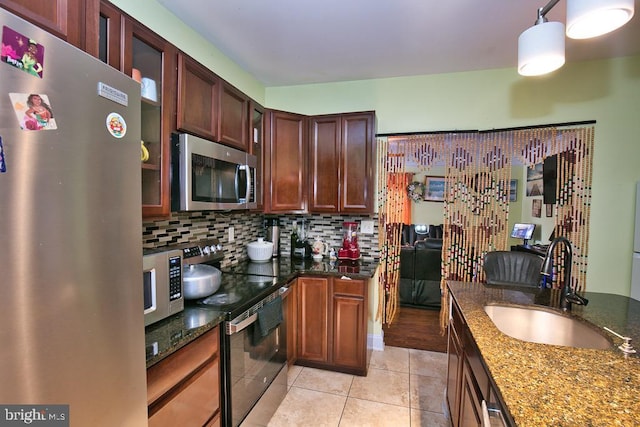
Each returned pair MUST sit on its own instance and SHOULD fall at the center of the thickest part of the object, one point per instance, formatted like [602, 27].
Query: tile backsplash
[184, 227]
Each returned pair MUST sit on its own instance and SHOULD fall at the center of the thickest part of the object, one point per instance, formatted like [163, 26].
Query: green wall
[160, 20]
[605, 91]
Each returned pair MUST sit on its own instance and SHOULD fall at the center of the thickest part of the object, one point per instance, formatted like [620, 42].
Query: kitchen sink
[545, 326]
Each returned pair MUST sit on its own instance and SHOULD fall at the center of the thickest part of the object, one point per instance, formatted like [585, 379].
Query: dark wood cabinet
[285, 154]
[154, 59]
[342, 163]
[454, 369]
[349, 341]
[63, 18]
[233, 117]
[468, 381]
[290, 300]
[324, 159]
[357, 163]
[184, 388]
[313, 319]
[106, 43]
[209, 107]
[197, 103]
[332, 324]
[256, 147]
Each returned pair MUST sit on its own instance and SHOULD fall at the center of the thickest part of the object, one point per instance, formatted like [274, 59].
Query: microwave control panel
[175, 278]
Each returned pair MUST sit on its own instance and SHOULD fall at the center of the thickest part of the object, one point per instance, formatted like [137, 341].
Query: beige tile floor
[404, 387]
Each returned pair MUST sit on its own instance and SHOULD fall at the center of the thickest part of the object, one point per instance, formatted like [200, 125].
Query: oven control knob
[212, 249]
[206, 250]
[219, 247]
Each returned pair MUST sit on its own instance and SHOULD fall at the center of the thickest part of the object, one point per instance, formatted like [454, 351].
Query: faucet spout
[568, 296]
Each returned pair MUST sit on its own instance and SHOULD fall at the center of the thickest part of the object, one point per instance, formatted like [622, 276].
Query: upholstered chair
[512, 268]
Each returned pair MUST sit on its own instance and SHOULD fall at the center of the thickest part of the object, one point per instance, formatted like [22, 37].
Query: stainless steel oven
[253, 358]
[256, 367]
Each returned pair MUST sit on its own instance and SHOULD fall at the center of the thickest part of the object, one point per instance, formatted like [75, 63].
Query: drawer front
[169, 372]
[349, 287]
[194, 404]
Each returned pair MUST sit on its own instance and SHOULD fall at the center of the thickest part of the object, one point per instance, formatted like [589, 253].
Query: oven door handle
[234, 326]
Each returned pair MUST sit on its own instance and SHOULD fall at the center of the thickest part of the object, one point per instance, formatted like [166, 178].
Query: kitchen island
[549, 385]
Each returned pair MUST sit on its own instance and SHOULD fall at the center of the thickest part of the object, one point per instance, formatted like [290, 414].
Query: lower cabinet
[290, 302]
[184, 388]
[332, 324]
[468, 383]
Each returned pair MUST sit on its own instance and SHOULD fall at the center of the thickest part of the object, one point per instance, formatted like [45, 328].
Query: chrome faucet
[568, 296]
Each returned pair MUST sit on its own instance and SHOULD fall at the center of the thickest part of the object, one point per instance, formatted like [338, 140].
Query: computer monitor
[523, 231]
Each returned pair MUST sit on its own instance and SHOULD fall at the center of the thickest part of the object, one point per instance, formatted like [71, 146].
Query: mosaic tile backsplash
[184, 227]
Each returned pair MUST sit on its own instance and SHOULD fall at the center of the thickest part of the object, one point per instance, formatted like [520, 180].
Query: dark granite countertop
[549, 385]
[165, 337]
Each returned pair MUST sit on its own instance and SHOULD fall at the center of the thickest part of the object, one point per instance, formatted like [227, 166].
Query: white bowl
[260, 251]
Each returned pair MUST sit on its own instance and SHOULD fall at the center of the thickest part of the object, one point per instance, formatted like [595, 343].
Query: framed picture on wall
[534, 180]
[513, 190]
[536, 208]
[434, 187]
[549, 210]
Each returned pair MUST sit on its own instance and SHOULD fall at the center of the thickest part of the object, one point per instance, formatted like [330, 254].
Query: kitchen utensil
[273, 234]
[148, 89]
[260, 251]
[319, 247]
[350, 249]
[200, 280]
[136, 75]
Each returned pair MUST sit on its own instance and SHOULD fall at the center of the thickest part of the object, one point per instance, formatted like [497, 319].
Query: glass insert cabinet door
[149, 59]
[147, 67]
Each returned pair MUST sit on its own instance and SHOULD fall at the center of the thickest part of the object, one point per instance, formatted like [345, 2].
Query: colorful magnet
[33, 111]
[3, 165]
[22, 52]
[116, 125]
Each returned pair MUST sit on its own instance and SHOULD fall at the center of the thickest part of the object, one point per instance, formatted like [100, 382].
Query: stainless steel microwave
[211, 176]
[162, 285]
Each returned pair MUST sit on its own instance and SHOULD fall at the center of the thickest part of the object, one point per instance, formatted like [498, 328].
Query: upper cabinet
[234, 117]
[285, 156]
[209, 107]
[106, 45]
[342, 163]
[256, 146]
[62, 18]
[152, 60]
[198, 93]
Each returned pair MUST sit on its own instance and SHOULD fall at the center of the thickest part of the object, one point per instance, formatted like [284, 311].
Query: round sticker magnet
[116, 125]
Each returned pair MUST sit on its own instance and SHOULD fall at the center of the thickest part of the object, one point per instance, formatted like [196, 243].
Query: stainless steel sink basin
[545, 326]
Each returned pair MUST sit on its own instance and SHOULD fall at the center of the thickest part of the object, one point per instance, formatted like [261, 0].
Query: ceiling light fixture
[541, 47]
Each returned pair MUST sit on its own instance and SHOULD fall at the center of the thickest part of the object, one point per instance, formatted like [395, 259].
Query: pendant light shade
[592, 18]
[541, 49]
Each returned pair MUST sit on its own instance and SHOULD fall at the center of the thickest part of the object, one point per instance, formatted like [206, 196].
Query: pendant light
[541, 47]
[593, 18]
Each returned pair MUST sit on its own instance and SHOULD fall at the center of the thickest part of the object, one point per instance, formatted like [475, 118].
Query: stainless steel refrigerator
[71, 303]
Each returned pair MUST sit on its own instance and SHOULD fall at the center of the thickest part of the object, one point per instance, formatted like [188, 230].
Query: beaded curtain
[476, 208]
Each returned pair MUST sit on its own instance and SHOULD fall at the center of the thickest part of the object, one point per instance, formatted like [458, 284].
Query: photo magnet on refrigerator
[116, 125]
[22, 52]
[33, 111]
[3, 166]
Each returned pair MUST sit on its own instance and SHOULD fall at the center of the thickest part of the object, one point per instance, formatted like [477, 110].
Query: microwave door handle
[237, 181]
[249, 181]
[247, 170]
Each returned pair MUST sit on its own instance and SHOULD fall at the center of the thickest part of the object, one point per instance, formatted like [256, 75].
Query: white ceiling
[290, 42]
